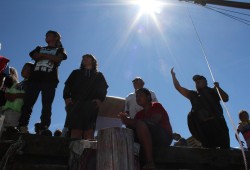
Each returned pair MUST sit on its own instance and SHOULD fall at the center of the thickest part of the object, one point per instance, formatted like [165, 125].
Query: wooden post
[115, 149]
[82, 155]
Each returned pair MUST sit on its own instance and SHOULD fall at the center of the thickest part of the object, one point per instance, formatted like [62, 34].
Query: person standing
[244, 127]
[206, 121]
[84, 91]
[44, 79]
[131, 106]
[14, 97]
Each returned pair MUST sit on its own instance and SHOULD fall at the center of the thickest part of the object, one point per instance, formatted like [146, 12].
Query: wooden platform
[52, 153]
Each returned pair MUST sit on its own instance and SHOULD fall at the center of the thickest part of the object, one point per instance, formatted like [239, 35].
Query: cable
[211, 73]
[247, 22]
[244, 21]
[228, 10]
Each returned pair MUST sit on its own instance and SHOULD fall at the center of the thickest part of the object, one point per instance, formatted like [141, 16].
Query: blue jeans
[31, 94]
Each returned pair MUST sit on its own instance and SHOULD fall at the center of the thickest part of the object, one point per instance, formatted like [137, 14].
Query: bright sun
[149, 6]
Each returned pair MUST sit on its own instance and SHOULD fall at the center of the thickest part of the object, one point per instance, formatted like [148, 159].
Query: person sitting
[151, 125]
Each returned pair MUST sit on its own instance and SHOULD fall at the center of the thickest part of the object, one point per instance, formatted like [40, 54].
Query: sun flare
[149, 6]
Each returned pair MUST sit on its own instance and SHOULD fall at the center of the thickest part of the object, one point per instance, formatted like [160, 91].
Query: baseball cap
[198, 77]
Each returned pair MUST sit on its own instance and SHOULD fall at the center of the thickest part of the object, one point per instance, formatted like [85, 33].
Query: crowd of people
[86, 88]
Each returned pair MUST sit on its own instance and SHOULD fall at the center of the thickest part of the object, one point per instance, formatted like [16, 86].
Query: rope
[241, 13]
[244, 21]
[11, 151]
[211, 73]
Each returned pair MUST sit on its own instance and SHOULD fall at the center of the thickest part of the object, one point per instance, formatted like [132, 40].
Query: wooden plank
[116, 150]
[112, 106]
[184, 157]
[46, 145]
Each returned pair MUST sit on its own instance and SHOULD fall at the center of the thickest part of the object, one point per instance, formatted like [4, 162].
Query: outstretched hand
[172, 71]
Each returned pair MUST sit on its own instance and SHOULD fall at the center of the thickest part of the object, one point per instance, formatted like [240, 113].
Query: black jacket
[85, 85]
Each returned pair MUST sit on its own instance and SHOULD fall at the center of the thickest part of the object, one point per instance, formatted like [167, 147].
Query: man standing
[205, 120]
[131, 106]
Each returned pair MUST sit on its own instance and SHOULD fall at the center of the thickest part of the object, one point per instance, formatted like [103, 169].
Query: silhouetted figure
[151, 125]
[205, 120]
[44, 80]
[58, 133]
[84, 91]
[244, 127]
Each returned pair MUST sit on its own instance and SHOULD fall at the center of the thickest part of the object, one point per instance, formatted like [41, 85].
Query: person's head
[46, 132]
[53, 38]
[26, 70]
[200, 81]
[138, 83]
[58, 132]
[11, 78]
[243, 115]
[89, 62]
[143, 97]
[14, 74]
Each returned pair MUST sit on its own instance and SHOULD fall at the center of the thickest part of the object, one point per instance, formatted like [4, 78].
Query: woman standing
[84, 91]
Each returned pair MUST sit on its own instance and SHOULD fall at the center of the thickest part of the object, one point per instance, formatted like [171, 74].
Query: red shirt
[156, 108]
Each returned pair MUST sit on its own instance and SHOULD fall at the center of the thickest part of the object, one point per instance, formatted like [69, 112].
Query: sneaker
[42, 129]
[23, 129]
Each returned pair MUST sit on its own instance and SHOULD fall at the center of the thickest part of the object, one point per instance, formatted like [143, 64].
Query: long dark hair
[94, 62]
[56, 34]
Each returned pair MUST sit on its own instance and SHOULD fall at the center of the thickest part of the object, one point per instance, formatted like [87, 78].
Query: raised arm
[182, 90]
[223, 94]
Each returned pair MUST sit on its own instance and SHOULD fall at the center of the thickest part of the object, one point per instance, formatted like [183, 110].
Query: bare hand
[216, 85]
[123, 116]
[98, 102]
[172, 72]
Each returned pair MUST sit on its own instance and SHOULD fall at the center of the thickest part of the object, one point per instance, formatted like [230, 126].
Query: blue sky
[126, 46]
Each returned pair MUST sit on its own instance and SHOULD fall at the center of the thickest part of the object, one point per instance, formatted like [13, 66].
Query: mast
[234, 4]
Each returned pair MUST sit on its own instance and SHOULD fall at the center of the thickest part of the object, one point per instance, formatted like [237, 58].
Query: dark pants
[211, 133]
[33, 90]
